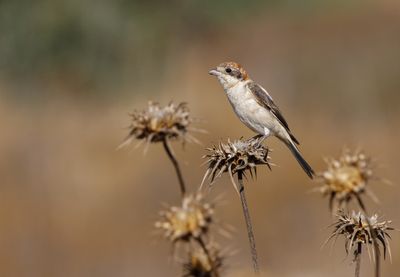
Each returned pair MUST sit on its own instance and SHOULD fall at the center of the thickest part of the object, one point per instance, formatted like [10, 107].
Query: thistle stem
[377, 253]
[174, 161]
[249, 226]
[358, 259]
[210, 259]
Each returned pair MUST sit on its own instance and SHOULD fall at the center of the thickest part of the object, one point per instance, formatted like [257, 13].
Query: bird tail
[295, 151]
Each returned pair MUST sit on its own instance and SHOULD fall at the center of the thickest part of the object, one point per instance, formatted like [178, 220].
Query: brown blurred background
[70, 71]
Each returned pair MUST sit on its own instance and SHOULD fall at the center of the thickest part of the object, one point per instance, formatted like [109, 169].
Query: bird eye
[228, 70]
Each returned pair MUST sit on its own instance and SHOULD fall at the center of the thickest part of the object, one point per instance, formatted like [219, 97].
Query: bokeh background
[71, 71]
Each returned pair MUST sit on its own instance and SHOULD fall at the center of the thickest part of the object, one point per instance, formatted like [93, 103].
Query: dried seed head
[191, 220]
[157, 123]
[356, 228]
[346, 178]
[240, 155]
[201, 264]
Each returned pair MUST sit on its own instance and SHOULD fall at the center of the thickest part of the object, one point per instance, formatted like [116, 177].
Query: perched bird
[256, 109]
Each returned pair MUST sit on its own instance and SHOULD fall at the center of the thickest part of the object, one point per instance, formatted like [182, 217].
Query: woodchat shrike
[256, 108]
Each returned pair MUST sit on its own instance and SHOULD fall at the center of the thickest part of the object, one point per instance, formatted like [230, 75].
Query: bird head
[229, 74]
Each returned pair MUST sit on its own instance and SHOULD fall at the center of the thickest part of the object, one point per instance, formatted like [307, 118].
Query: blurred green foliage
[96, 39]
[90, 43]
[99, 47]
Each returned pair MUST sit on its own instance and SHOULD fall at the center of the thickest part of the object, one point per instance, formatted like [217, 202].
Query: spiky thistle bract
[238, 156]
[157, 124]
[357, 228]
[190, 220]
[347, 178]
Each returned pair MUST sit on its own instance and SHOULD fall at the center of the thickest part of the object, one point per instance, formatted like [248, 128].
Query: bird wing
[264, 99]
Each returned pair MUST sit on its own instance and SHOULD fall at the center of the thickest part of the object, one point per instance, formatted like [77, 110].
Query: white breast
[249, 111]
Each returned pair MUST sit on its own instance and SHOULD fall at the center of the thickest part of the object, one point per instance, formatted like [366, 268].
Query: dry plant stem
[358, 259]
[249, 226]
[377, 253]
[176, 165]
[210, 260]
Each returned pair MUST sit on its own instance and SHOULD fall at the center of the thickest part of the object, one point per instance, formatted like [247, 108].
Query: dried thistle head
[202, 264]
[359, 229]
[238, 156]
[347, 178]
[191, 220]
[156, 123]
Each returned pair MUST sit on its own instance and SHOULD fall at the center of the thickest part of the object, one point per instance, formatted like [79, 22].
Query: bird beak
[214, 72]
